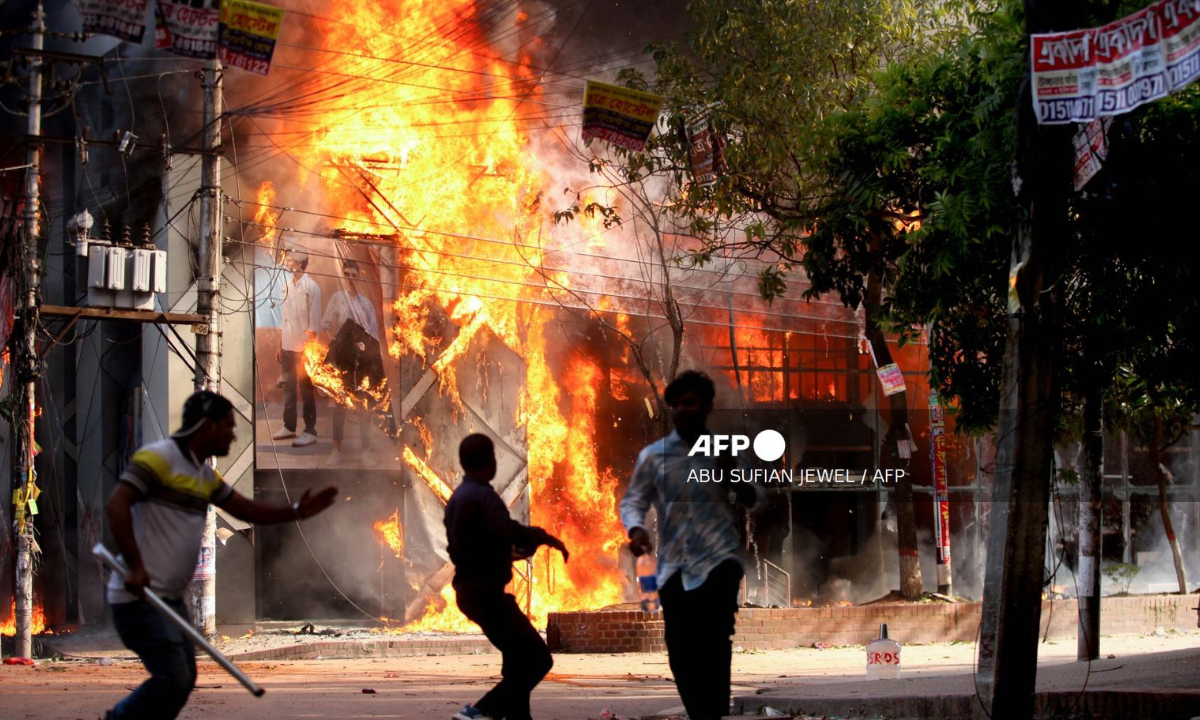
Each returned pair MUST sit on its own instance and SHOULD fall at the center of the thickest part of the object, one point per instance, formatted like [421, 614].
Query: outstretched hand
[315, 504]
[558, 545]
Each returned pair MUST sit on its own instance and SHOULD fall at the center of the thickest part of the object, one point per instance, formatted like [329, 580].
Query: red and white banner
[186, 30]
[941, 488]
[124, 19]
[1082, 75]
[891, 379]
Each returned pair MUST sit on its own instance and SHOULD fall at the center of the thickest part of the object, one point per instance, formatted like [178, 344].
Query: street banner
[1086, 162]
[124, 19]
[1064, 77]
[941, 488]
[706, 153]
[891, 378]
[1129, 63]
[619, 115]
[188, 31]
[1083, 75]
[1181, 40]
[1097, 131]
[247, 33]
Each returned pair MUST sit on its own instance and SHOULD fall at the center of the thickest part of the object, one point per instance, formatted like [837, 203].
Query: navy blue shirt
[480, 535]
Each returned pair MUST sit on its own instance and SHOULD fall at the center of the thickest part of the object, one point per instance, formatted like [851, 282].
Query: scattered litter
[821, 645]
[368, 691]
[18, 661]
[607, 714]
[104, 661]
[1112, 657]
[739, 649]
[308, 629]
[772, 712]
[390, 676]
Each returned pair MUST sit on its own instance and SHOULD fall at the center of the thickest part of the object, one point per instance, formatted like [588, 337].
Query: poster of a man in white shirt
[301, 320]
[349, 305]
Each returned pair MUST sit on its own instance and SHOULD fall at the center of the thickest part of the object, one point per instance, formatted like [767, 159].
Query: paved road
[433, 687]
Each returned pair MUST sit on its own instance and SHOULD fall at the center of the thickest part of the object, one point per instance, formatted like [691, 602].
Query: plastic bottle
[883, 657]
[647, 572]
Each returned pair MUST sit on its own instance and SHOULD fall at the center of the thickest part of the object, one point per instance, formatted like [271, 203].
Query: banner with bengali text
[1082, 75]
[619, 115]
[247, 33]
[124, 19]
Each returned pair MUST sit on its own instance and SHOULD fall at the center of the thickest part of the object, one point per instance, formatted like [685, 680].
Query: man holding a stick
[157, 514]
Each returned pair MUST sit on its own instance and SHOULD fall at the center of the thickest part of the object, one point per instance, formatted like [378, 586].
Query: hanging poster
[124, 19]
[706, 153]
[1082, 75]
[185, 30]
[619, 115]
[891, 378]
[246, 35]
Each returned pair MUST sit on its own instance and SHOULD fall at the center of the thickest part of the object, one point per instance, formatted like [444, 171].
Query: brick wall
[762, 629]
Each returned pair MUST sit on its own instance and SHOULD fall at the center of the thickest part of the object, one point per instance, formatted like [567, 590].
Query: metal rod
[102, 553]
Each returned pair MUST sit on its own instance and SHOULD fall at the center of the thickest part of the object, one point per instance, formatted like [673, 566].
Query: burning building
[430, 144]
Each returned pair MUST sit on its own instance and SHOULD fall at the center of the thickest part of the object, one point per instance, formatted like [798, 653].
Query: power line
[460, 236]
[583, 307]
[647, 265]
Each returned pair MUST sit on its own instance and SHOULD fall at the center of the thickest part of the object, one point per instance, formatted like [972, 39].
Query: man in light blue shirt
[699, 566]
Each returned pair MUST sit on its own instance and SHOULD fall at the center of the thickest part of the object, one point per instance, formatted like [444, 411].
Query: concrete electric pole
[208, 345]
[26, 355]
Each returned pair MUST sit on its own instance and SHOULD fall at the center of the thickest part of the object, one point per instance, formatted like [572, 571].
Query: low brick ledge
[383, 647]
[784, 628]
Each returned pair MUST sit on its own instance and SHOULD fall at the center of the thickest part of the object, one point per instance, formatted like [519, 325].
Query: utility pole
[208, 344]
[1090, 508]
[1029, 403]
[26, 356]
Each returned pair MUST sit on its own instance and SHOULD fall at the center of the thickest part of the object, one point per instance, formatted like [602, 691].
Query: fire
[365, 396]
[442, 615]
[391, 533]
[262, 214]
[38, 621]
[579, 506]
[424, 433]
[426, 473]
[436, 152]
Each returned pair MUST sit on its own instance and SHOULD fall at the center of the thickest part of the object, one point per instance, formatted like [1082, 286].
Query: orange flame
[263, 214]
[426, 473]
[391, 533]
[441, 157]
[366, 396]
[38, 621]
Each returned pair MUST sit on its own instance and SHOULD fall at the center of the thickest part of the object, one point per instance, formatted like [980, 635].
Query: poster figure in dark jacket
[483, 541]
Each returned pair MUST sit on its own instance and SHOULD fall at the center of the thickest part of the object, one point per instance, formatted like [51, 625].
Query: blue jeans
[168, 655]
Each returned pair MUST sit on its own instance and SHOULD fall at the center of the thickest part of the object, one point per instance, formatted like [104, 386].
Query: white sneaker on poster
[304, 439]
[284, 434]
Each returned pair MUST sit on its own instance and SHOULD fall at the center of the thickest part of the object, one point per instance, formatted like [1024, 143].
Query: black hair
[476, 451]
[203, 405]
[690, 381]
[350, 265]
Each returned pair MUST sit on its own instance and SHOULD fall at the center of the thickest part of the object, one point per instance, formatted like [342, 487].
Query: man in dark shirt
[483, 541]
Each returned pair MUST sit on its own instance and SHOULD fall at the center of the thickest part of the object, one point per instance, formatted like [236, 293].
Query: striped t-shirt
[168, 521]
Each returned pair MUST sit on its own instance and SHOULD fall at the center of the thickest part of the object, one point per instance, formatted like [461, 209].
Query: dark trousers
[168, 655]
[699, 633]
[338, 414]
[526, 657]
[294, 374]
